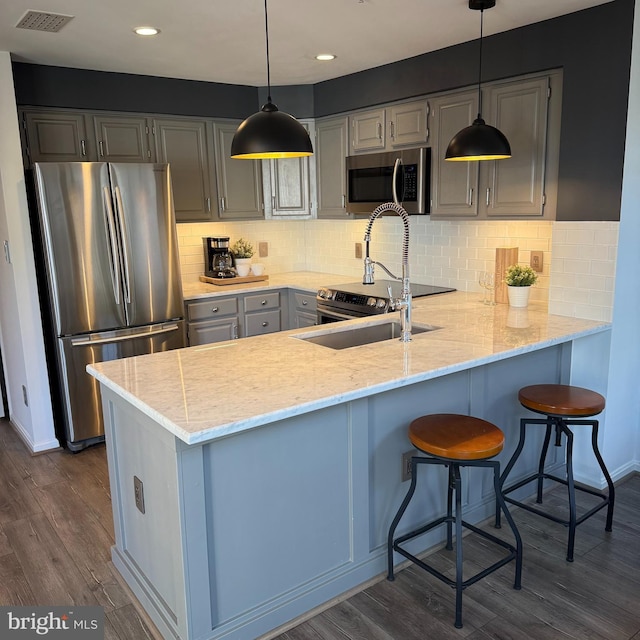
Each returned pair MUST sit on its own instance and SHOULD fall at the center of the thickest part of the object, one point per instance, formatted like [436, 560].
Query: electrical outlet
[358, 249]
[263, 249]
[24, 396]
[536, 260]
[138, 492]
[406, 465]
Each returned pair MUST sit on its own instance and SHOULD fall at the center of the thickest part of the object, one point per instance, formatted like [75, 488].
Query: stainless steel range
[357, 300]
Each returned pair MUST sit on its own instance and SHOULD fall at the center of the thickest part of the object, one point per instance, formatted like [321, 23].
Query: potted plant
[519, 280]
[242, 251]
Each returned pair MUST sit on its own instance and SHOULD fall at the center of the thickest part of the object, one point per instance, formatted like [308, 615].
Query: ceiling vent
[41, 21]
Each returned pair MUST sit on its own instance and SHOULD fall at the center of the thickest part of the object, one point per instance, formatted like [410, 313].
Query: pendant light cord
[266, 31]
[479, 66]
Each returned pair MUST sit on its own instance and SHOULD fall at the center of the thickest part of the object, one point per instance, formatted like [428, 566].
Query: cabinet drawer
[264, 322]
[305, 301]
[214, 331]
[212, 308]
[262, 301]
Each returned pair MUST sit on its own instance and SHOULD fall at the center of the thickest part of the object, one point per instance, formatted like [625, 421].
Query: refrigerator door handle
[125, 252]
[85, 341]
[114, 257]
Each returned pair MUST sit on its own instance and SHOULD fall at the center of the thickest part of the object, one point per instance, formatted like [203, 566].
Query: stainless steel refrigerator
[113, 285]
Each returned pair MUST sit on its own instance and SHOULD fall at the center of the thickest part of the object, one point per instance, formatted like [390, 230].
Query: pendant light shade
[270, 133]
[478, 141]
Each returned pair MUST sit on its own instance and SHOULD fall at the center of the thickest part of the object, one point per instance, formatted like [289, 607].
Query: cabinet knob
[305, 303]
[263, 302]
[265, 324]
[214, 310]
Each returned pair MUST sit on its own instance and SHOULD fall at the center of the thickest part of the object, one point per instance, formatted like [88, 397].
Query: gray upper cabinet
[331, 179]
[57, 137]
[454, 184]
[527, 111]
[367, 130]
[515, 187]
[289, 185]
[240, 194]
[184, 145]
[123, 138]
[401, 125]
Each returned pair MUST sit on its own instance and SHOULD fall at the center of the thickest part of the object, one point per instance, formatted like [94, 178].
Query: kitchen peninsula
[255, 479]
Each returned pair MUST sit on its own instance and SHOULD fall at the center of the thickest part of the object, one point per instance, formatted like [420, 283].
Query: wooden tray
[236, 280]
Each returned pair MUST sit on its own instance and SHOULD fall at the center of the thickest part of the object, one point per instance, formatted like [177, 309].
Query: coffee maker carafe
[218, 259]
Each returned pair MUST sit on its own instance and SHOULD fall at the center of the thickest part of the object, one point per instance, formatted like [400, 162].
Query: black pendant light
[479, 141]
[270, 133]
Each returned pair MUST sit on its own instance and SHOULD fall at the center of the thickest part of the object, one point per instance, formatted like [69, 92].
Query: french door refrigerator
[113, 285]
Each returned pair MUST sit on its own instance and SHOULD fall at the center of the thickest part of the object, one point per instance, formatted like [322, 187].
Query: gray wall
[593, 47]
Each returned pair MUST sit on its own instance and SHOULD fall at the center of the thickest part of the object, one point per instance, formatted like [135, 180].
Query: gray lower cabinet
[262, 313]
[240, 194]
[528, 113]
[123, 138]
[57, 136]
[212, 320]
[302, 309]
[184, 143]
[331, 150]
[235, 316]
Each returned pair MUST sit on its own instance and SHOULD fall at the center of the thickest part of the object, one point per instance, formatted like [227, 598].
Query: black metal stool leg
[396, 520]
[459, 559]
[607, 477]
[510, 464]
[572, 493]
[543, 459]
[450, 490]
[502, 505]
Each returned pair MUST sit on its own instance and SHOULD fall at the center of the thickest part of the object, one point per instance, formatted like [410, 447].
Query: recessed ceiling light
[325, 56]
[147, 31]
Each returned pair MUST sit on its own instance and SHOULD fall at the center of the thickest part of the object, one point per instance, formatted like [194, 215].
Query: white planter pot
[243, 266]
[518, 296]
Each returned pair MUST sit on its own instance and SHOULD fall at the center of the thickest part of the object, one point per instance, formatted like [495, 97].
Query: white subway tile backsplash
[579, 257]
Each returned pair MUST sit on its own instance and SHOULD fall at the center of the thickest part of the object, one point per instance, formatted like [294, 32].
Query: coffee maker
[218, 260]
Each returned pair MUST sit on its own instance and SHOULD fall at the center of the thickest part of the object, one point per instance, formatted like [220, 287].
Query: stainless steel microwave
[403, 177]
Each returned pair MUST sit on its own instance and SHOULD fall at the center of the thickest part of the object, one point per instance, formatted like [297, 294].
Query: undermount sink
[360, 335]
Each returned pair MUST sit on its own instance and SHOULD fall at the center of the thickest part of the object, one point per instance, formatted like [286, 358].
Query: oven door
[326, 315]
[402, 177]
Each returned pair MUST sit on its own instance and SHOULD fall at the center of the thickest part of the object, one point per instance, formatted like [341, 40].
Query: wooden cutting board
[236, 280]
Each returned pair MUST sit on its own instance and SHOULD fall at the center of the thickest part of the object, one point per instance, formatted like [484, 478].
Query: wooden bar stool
[455, 441]
[564, 406]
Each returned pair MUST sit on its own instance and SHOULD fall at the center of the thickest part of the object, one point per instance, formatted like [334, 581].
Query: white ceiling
[223, 40]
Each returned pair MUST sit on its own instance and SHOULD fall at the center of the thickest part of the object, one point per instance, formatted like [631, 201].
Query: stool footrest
[434, 572]
[547, 476]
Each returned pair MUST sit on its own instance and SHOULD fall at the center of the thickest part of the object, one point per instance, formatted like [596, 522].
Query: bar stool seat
[455, 441]
[563, 406]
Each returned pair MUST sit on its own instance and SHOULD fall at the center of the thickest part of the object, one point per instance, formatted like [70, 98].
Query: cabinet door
[367, 130]
[57, 137]
[408, 124]
[123, 139]
[183, 144]
[454, 184]
[289, 186]
[239, 181]
[515, 187]
[214, 331]
[331, 167]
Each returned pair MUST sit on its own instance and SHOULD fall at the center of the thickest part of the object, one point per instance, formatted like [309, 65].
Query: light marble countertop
[209, 391]
[309, 281]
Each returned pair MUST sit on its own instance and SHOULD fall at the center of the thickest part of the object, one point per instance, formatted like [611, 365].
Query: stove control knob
[371, 302]
[322, 293]
[381, 303]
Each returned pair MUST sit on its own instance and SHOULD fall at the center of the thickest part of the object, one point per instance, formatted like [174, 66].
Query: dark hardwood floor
[56, 531]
